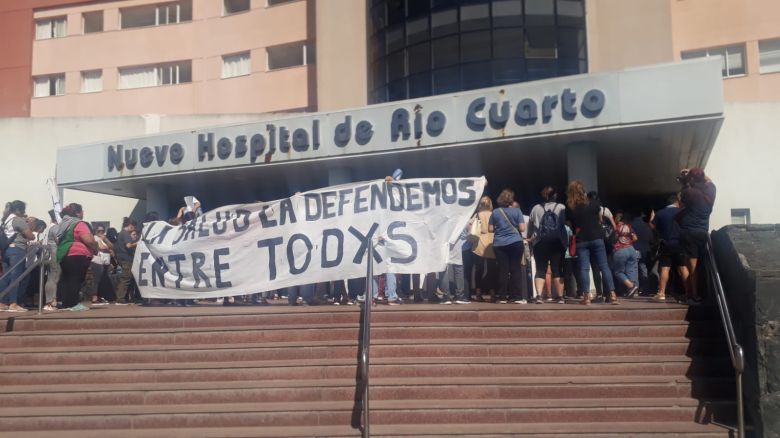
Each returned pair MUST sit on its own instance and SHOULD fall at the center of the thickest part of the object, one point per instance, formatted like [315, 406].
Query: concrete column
[157, 200]
[339, 175]
[582, 164]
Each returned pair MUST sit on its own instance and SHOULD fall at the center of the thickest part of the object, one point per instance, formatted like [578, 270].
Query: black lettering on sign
[399, 125]
[142, 269]
[159, 268]
[365, 243]
[206, 146]
[291, 258]
[431, 188]
[328, 205]
[271, 244]
[241, 146]
[360, 201]
[115, 158]
[224, 148]
[177, 153]
[413, 202]
[244, 216]
[467, 186]
[267, 223]
[286, 209]
[220, 225]
[177, 259]
[313, 206]
[198, 260]
[379, 195]
[339, 236]
[159, 153]
[449, 191]
[219, 268]
[393, 235]
[147, 157]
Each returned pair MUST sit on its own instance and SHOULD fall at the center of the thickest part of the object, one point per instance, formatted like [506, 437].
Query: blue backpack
[549, 228]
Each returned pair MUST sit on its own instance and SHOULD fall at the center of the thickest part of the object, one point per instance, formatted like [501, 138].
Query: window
[235, 6]
[156, 15]
[290, 55]
[769, 56]
[155, 75]
[740, 216]
[93, 21]
[733, 58]
[238, 64]
[91, 81]
[50, 28]
[278, 2]
[50, 85]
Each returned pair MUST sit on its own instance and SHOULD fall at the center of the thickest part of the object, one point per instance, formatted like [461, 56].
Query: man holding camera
[697, 198]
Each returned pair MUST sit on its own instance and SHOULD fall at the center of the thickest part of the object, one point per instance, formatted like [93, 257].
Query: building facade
[129, 68]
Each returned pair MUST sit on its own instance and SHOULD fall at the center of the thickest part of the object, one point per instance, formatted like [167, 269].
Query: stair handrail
[42, 257]
[735, 349]
[366, 340]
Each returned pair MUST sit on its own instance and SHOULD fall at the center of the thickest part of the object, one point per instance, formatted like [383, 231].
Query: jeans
[599, 252]
[306, 292]
[468, 268]
[390, 291]
[625, 263]
[510, 270]
[11, 257]
[53, 276]
[453, 274]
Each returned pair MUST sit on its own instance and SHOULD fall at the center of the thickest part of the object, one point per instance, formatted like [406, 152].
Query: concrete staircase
[638, 369]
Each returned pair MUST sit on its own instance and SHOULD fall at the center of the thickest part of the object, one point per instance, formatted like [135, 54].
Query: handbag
[475, 229]
[484, 247]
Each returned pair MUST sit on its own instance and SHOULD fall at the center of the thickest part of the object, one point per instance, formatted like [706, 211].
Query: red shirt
[78, 248]
[625, 236]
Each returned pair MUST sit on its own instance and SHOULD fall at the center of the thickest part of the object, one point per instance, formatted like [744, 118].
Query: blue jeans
[305, 291]
[599, 252]
[390, 291]
[625, 262]
[11, 257]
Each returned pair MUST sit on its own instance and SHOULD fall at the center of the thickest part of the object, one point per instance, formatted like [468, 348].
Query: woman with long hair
[485, 260]
[75, 248]
[585, 216]
[507, 223]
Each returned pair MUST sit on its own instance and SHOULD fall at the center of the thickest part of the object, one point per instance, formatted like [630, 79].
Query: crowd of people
[503, 256]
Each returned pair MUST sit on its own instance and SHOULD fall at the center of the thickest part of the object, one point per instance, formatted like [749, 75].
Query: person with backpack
[548, 241]
[14, 236]
[76, 246]
[507, 224]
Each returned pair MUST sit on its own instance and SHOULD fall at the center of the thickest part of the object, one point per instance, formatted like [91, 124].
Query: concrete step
[135, 317]
[380, 367]
[474, 388]
[655, 346]
[251, 334]
[383, 412]
[664, 429]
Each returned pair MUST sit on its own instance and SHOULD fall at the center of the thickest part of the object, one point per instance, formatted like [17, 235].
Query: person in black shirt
[670, 254]
[585, 217]
[697, 198]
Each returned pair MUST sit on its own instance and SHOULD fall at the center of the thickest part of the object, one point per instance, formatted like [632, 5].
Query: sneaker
[439, 293]
[15, 308]
[633, 291]
[462, 302]
[49, 308]
[361, 298]
[659, 297]
[561, 301]
[350, 303]
[100, 302]
[520, 301]
[503, 301]
[120, 303]
[78, 308]
[549, 299]
[336, 303]
[446, 302]
[395, 302]
[538, 301]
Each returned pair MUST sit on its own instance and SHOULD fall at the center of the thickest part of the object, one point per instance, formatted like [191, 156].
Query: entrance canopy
[640, 126]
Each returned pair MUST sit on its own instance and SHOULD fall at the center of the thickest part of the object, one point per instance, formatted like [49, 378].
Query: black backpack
[549, 229]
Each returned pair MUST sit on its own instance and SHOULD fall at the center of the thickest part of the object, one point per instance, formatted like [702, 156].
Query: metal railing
[735, 350]
[366, 339]
[42, 255]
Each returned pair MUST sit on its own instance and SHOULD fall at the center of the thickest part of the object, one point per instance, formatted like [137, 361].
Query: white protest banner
[312, 237]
